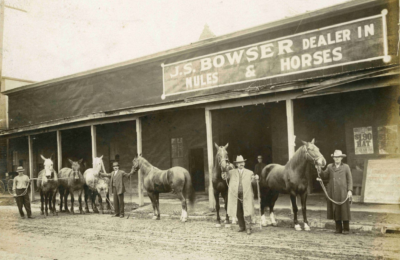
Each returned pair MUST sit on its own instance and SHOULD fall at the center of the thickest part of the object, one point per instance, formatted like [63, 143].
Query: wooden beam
[210, 157]
[94, 144]
[290, 126]
[31, 167]
[139, 151]
[59, 150]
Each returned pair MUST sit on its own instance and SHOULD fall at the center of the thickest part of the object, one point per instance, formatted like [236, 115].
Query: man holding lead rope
[240, 196]
[20, 192]
[340, 189]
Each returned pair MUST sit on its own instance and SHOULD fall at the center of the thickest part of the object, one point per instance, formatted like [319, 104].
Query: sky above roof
[58, 38]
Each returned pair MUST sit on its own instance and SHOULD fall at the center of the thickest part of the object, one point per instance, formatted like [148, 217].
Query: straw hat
[240, 159]
[20, 169]
[338, 153]
[115, 164]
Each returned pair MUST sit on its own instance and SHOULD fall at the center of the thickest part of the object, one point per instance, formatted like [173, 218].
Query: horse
[292, 179]
[47, 184]
[71, 180]
[176, 180]
[95, 185]
[220, 186]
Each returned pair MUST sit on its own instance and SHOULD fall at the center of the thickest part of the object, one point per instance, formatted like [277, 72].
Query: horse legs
[61, 191]
[42, 202]
[157, 199]
[46, 200]
[274, 196]
[101, 203]
[86, 199]
[184, 214]
[217, 207]
[108, 201]
[227, 223]
[94, 206]
[153, 202]
[72, 201]
[66, 193]
[304, 210]
[80, 201]
[263, 206]
[295, 209]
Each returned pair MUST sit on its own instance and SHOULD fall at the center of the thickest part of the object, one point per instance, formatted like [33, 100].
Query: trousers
[244, 222]
[119, 205]
[340, 227]
[23, 201]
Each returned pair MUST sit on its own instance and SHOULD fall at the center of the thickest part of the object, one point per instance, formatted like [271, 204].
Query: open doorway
[196, 168]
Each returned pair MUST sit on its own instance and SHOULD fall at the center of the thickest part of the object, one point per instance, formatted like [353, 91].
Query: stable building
[330, 74]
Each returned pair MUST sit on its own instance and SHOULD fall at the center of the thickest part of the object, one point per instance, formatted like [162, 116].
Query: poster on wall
[387, 139]
[363, 140]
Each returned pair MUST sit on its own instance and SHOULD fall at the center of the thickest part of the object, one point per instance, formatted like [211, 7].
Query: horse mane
[147, 163]
[297, 159]
[217, 168]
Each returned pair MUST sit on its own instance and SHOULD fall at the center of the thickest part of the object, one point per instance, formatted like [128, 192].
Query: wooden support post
[59, 150]
[139, 151]
[291, 137]
[94, 144]
[210, 156]
[31, 167]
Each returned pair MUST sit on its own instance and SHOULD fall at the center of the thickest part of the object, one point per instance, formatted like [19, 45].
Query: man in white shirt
[20, 192]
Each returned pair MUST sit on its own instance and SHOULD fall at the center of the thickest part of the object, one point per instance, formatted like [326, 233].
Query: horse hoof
[274, 224]
[264, 224]
[184, 220]
[87, 211]
[47, 214]
[227, 225]
[41, 213]
[218, 225]
[307, 227]
[297, 227]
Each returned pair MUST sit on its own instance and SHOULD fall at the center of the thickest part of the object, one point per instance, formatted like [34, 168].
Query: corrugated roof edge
[203, 43]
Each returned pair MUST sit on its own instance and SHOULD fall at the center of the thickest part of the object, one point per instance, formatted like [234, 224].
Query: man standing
[240, 196]
[118, 188]
[20, 192]
[340, 186]
[259, 166]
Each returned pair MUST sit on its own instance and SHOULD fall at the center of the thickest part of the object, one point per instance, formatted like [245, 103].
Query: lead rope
[326, 193]
[105, 194]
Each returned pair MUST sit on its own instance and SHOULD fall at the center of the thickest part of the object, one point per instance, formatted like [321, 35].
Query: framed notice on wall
[363, 140]
[387, 139]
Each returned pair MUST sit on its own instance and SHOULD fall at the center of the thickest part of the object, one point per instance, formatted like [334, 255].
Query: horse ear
[226, 146]
[305, 143]
[42, 157]
[70, 161]
[216, 146]
[101, 157]
[313, 140]
[80, 161]
[51, 157]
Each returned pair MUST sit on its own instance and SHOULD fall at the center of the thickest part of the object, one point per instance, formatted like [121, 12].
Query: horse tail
[189, 190]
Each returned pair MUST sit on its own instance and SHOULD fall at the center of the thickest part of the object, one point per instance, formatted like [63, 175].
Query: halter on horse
[220, 186]
[292, 179]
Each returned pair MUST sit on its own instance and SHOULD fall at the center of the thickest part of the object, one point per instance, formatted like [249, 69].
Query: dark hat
[115, 164]
[20, 169]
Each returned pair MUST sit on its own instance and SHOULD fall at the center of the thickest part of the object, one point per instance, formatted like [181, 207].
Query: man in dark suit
[118, 188]
[259, 166]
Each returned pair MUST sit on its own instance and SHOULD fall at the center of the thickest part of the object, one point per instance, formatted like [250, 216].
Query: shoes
[122, 215]
[346, 232]
[22, 217]
[31, 217]
[338, 232]
[248, 231]
[241, 230]
[116, 215]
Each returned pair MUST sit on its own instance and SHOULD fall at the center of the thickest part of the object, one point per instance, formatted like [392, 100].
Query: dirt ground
[97, 236]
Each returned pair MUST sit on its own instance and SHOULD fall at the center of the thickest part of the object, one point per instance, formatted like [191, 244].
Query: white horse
[47, 183]
[95, 185]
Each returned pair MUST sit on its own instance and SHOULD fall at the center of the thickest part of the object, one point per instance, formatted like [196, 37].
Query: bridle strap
[308, 154]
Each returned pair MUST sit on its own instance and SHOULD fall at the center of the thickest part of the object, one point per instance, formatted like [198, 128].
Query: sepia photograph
[216, 129]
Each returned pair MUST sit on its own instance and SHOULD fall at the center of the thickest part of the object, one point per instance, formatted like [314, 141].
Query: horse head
[222, 157]
[48, 165]
[136, 163]
[75, 166]
[313, 154]
[97, 163]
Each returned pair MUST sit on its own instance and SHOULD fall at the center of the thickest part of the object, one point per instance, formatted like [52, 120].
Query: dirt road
[94, 236]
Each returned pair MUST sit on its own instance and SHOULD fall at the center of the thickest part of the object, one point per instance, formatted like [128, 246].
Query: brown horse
[47, 184]
[220, 186]
[176, 180]
[290, 178]
[71, 180]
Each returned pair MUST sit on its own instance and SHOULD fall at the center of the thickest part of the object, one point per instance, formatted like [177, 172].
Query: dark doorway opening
[196, 168]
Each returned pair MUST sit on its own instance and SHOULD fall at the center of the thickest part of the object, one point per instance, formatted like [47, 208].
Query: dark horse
[71, 180]
[47, 183]
[176, 180]
[220, 186]
[292, 179]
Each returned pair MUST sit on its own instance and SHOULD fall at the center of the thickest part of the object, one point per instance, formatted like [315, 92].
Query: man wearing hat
[240, 196]
[340, 186]
[118, 188]
[20, 192]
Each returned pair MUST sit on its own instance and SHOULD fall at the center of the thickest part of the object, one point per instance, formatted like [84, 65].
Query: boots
[248, 224]
[339, 227]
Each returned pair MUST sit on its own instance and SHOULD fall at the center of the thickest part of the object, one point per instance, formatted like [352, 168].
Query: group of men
[240, 196]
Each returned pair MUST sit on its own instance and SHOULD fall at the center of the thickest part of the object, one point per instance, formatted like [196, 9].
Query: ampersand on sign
[250, 72]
